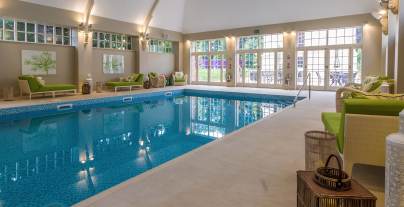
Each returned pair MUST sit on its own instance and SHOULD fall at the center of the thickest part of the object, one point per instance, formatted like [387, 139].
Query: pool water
[64, 158]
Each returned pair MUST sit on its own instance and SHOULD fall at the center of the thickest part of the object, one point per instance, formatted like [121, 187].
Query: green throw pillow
[134, 77]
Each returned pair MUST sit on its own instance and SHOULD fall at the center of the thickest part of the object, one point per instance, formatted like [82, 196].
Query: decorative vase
[394, 192]
[86, 88]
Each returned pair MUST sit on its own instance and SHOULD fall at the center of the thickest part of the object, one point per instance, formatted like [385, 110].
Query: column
[399, 51]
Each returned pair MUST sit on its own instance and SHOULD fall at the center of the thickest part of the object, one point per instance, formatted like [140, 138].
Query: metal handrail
[308, 77]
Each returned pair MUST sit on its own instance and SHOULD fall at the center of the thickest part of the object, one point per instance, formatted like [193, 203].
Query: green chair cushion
[33, 83]
[119, 84]
[153, 75]
[56, 87]
[331, 121]
[180, 80]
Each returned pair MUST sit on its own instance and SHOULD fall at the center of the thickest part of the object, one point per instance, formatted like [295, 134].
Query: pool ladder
[307, 81]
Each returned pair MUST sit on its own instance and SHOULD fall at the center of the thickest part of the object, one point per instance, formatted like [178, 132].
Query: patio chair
[31, 86]
[180, 79]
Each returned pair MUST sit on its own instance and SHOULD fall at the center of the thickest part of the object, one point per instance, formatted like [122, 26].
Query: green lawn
[214, 75]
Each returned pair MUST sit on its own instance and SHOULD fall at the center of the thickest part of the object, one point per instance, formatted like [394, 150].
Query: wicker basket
[319, 145]
[309, 194]
[332, 178]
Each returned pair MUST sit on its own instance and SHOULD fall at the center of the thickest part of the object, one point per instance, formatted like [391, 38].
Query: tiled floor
[255, 166]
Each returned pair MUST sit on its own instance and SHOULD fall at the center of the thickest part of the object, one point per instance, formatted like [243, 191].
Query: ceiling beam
[87, 11]
[149, 16]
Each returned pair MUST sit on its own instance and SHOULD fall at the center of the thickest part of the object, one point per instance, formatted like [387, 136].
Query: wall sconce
[144, 40]
[393, 5]
[85, 29]
[384, 20]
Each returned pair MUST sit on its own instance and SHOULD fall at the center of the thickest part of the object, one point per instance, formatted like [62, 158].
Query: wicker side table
[309, 194]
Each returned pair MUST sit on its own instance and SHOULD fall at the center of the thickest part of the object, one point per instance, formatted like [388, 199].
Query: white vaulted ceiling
[168, 14]
[191, 16]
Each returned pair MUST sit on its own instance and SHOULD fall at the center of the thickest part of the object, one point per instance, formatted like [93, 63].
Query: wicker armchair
[157, 80]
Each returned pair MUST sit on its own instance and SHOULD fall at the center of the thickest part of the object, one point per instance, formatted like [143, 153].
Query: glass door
[267, 74]
[330, 68]
[316, 67]
[271, 65]
[340, 73]
[203, 68]
[218, 68]
[247, 69]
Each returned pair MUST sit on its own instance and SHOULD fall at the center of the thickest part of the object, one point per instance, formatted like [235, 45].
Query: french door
[209, 68]
[260, 69]
[330, 68]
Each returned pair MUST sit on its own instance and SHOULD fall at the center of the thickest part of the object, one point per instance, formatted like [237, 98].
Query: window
[112, 41]
[200, 46]
[160, 46]
[59, 35]
[40, 33]
[66, 36]
[1, 28]
[21, 31]
[312, 38]
[49, 34]
[333, 57]
[208, 61]
[31, 32]
[9, 29]
[337, 36]
[270, 41]
[345, 36]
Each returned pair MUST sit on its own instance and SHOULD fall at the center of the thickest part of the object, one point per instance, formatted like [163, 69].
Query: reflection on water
[63, 159]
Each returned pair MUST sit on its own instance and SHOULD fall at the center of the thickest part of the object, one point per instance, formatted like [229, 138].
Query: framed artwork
[113, 64]
[38, 62]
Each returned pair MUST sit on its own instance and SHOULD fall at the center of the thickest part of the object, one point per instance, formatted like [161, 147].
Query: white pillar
[394, 192]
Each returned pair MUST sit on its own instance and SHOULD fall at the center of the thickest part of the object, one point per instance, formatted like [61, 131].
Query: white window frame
[209, 53]
[260, 51]
[327, 49]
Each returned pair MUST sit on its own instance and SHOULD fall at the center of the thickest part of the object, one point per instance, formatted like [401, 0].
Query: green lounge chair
[31, 86]
[180, 79]
[135, 80]
[361, 129]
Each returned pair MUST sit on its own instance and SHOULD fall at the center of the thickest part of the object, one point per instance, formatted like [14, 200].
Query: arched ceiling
[168, 14]
[190, 16]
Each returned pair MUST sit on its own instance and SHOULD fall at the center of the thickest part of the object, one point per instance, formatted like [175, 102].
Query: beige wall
[97, 57]
[74, 63]
[372, 40]
[11, 63]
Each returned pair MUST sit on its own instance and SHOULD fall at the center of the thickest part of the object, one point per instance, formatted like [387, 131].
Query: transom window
[335, 36]
[270, 41]
[22, 31]
[112, 41]
[206, 46]
[160, 46]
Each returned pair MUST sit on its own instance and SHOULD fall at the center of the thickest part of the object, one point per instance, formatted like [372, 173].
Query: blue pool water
[62, 158]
